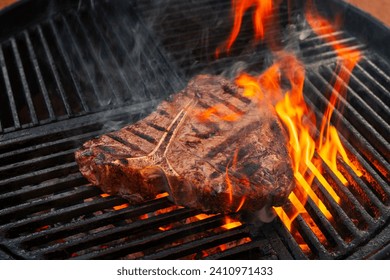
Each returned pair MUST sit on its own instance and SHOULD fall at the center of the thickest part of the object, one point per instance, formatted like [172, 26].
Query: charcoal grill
[72, 70]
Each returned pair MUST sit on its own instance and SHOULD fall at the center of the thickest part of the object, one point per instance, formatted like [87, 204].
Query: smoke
[132, 52]
[107, 59]
[266, 214]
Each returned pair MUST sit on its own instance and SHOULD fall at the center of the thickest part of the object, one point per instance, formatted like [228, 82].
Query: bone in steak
[208, 146]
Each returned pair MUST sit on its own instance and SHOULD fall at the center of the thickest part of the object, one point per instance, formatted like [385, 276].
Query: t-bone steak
[208, 146]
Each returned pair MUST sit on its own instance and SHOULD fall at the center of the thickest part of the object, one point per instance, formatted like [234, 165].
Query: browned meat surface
[209, 147]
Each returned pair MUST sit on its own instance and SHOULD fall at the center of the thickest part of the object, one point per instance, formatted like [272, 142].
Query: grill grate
[72, 64]
[80, 71]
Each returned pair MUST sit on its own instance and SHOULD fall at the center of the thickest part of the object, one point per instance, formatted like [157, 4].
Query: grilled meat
[208, 146]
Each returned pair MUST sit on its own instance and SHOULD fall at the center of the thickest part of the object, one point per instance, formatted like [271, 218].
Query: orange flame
[263, 9]
[251, 86]
[218, 112]
[203, 216]
[292, 109]
[329, 142]
[122, 206]
[295, 115]
[231, 223]
[229, 186]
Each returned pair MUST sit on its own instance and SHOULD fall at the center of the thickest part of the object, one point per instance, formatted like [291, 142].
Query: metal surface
[73, 72]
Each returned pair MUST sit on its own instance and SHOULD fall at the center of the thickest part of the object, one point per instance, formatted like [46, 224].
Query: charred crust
[250, 168]
[108, 149]
[275, 126]
[101, 157]
[163, 113]
[230, 89]
[87, 153]
[157, 127]
[124, 161]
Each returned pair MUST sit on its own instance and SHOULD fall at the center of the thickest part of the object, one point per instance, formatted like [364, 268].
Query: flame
[242, 202]
[144, 216]
[229, 186]
[203, 216]
[329, 141]
[218, 112]
[293, 112]
[328, 144]
[298, 120]
[117, 207]
[251, 86]
[161, 195]
[165, 228]
[263, 9]
[231, 223]
[308, 150]
[303, 145]
[122, 206]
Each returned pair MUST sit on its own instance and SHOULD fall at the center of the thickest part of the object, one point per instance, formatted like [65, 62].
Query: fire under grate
[75, 70]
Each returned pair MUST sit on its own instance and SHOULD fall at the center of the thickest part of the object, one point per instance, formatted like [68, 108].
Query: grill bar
[381, 71]
[276, 243]
[11, 198]
[367, 191]
[324, 224]
[371, 120]
[346, 195]
[336, 210]
[10, 95]
[113, 234]
[362, 128]
[68, 67]
[366, 147]
[79, 56]
[104, 97]
[134, 78]
[310, 238]
[73, 228]
[362, 161]
[35, 164]
[256, 248]
[22, 75]
[54, 71]
[36, 177]
[45, 149]
[157, 239]
[367, 95]
[39, 76]
[162, 74]
[287, 238]
[56, 201]
[124, 79]
[106, 75]
[201, 244]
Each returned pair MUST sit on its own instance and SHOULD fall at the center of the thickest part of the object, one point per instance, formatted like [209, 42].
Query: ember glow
[309, 148]
[231, 223]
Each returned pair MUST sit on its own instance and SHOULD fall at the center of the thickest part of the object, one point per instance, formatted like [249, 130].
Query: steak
[208, 146]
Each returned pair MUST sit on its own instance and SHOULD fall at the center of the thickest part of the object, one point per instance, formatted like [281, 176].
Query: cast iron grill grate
[81, 71]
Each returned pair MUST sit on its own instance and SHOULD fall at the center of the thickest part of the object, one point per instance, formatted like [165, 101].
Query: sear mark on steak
[209, 163]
